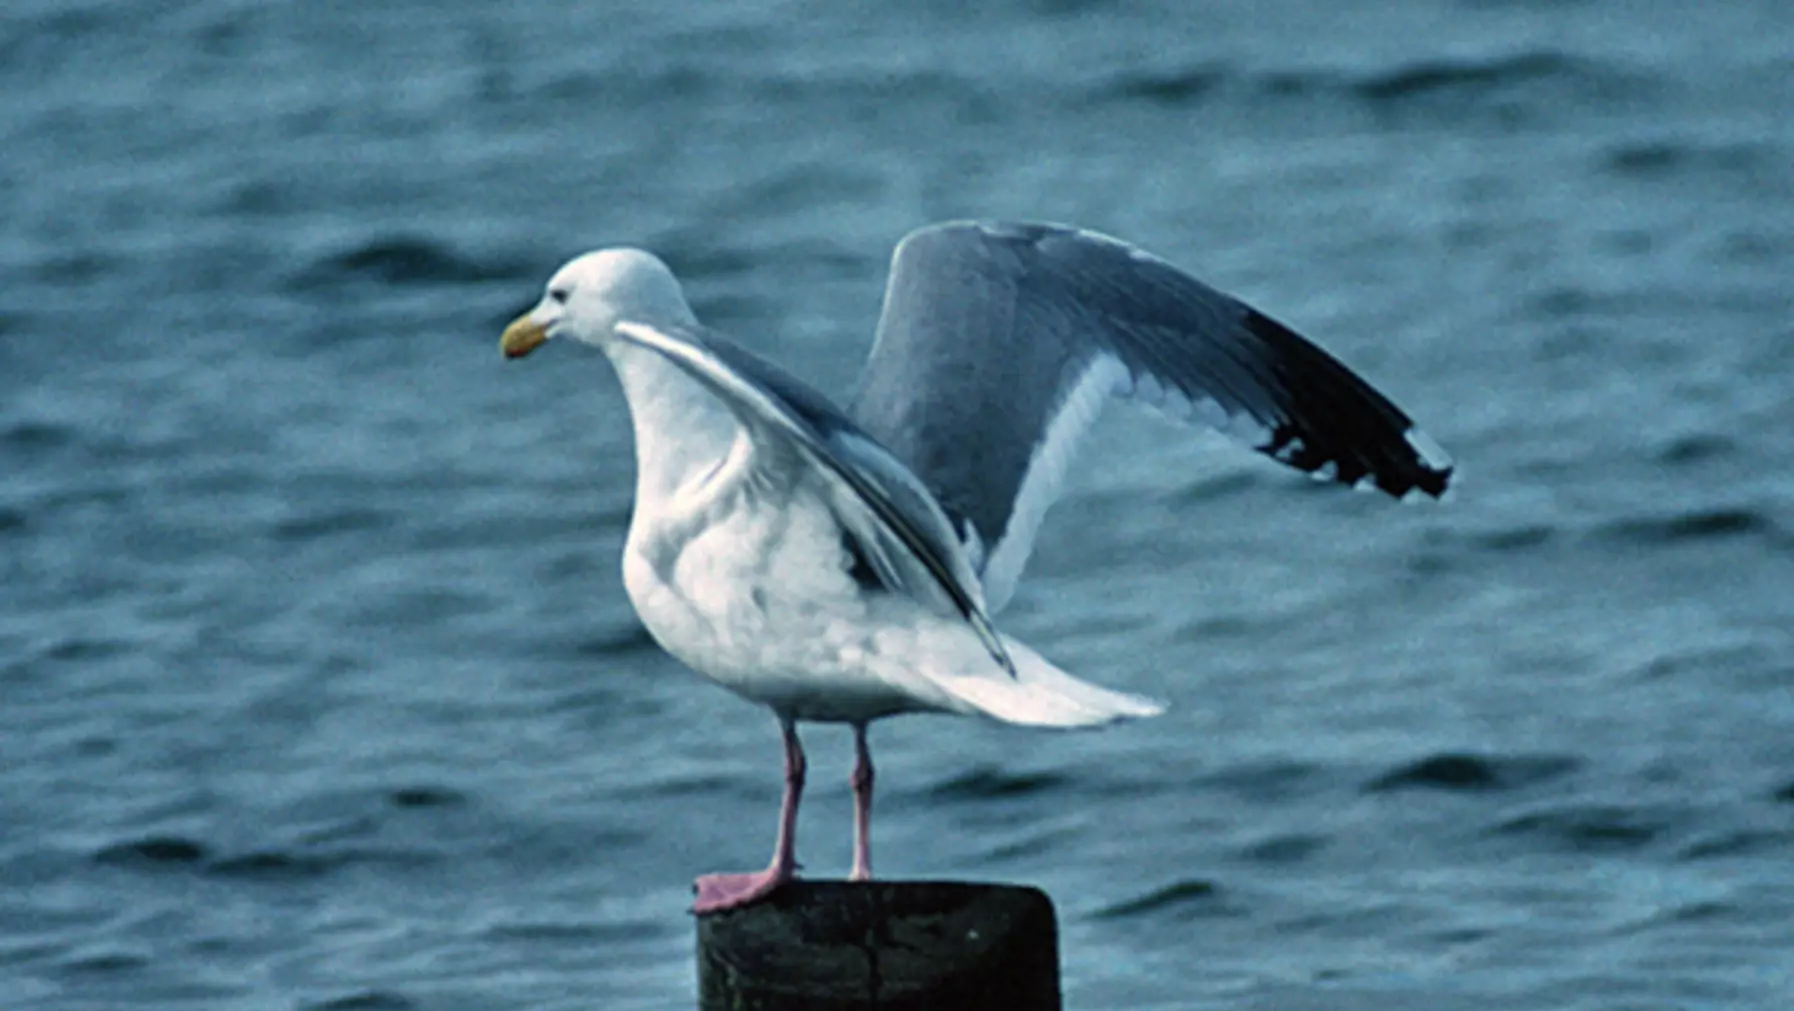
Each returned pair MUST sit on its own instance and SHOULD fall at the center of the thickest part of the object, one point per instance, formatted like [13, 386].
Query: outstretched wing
[889, 516]
[999, 344]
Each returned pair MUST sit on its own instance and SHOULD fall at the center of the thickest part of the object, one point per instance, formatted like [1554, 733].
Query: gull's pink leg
[726, 891]
[862, 806]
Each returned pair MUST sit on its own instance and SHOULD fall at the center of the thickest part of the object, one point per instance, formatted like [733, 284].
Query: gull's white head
[591, 294]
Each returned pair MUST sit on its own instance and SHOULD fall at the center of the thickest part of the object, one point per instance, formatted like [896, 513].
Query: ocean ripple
[153, 851]
[1181, 900]
[991, 783]
[1588, 828]
[402, 260]
[1770, 843]
[426, 797]
[363, 1000]
[1543, 77]
[1474, 773]
[1693, 525]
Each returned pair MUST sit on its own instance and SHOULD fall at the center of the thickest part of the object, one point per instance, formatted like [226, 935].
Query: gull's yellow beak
[522, 336]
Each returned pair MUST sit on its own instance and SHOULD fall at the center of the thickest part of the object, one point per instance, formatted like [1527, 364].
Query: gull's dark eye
[559, 295]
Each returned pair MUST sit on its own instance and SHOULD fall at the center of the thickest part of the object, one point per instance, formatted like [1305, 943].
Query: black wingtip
[1342, 428]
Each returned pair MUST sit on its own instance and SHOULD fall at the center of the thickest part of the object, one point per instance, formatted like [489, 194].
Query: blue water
[318, 687]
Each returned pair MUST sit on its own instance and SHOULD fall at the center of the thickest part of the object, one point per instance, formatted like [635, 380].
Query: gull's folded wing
[892, 519]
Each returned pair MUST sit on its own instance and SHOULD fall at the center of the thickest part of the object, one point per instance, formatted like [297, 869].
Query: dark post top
[882, 946]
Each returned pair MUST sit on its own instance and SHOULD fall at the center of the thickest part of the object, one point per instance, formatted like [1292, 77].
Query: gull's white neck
[681, 429]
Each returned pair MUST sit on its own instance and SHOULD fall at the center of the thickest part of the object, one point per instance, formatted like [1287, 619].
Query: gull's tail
[1042, 695]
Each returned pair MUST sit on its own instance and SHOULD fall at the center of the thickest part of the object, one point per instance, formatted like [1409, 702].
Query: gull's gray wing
[1000, 342]
[890, 520]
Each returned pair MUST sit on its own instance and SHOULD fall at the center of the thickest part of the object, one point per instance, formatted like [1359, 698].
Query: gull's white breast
[751, 588]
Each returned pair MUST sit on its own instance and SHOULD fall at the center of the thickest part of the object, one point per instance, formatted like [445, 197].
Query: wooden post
[884, 945]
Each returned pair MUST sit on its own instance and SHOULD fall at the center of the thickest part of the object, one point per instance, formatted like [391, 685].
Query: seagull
[841, 566]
